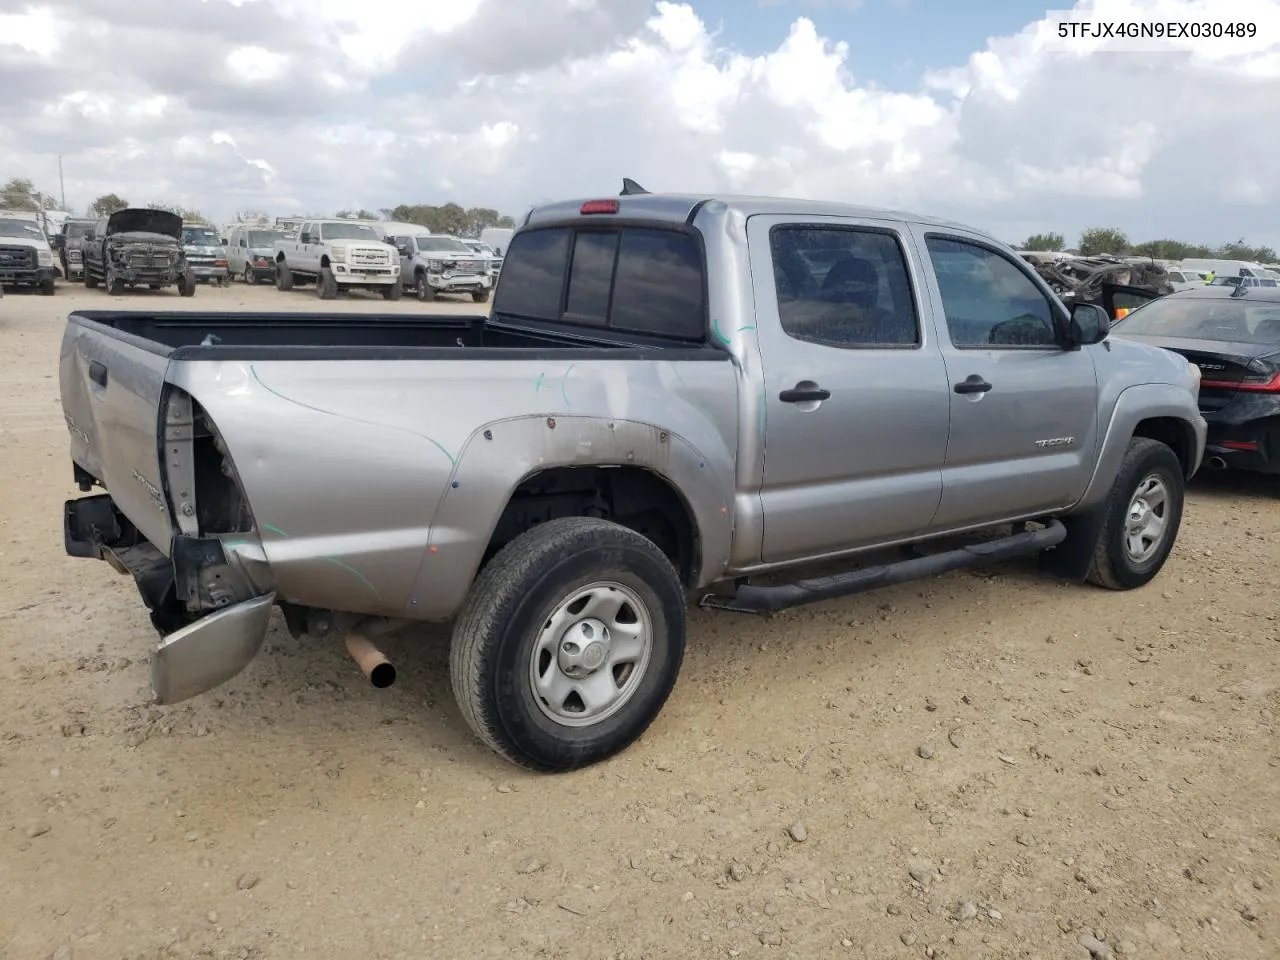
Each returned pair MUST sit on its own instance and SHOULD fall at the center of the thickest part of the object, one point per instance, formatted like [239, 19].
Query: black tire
[326, 285]
[423, 290]
[1113, 565]
[480, 296]
[392, 292]
[284, 277]
[47, 288]
[250, 277]
[113, 284]
[491, 655]
[186, 285]
[90, 281]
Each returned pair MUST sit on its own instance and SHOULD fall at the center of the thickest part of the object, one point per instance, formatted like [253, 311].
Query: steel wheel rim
[591, 654]
[1147, 519]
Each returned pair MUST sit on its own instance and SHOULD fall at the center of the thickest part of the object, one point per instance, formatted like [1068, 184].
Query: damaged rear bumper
[210, 603]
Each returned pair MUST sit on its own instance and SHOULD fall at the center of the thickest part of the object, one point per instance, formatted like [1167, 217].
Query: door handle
[972, 384]
[798, 394]
[98, 372]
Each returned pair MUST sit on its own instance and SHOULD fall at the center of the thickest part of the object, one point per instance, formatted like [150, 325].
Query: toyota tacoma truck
[338, 255]
[673, 397]
[137, 247]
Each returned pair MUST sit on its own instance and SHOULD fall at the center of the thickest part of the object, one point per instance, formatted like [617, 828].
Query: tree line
[1100, 240]
[19, 193]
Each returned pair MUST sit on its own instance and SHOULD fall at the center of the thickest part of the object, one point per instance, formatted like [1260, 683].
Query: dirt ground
[986, 765]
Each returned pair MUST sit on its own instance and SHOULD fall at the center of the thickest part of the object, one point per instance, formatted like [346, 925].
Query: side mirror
[1089, 324]
[224, 241]
[56, 241]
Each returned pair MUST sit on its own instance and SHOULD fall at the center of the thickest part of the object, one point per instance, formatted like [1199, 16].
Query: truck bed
[192, 335]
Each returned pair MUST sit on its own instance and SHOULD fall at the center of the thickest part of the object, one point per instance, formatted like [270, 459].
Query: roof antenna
[631, 188]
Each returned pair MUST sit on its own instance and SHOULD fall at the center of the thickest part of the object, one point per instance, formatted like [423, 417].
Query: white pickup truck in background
[338, 255]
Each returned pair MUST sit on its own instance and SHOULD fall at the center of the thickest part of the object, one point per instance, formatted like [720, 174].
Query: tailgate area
[112, 387]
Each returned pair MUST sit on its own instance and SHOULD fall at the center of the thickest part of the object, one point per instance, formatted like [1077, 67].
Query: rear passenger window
[843, 287]
[988, 302]
[533, 275]
[634, 279]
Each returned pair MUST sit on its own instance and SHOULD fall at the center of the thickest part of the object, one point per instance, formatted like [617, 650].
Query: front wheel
[250, 277]
[186, 285]
[392, 292]
[1142, 515]
[480, 296]
[284, 277]
[569, 644]
[326, 285]
[47, 288]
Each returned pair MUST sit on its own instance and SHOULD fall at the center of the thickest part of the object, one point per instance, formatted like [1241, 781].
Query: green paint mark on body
[715, 328]
[272, 528]
[563, 393]
[537, 384]
[343, 565]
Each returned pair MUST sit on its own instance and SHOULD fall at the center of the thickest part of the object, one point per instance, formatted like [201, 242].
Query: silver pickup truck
[672, 396]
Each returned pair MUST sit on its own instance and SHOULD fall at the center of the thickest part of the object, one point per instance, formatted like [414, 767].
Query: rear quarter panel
[375, 489]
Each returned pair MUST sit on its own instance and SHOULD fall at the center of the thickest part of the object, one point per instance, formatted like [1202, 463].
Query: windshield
[264, 238]
[348, 231]
[200, 236]
[442, 245]
[78, 229]
[1221, 319]
[11, 227]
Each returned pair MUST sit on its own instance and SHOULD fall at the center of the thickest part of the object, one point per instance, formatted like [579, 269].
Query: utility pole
[62, 184]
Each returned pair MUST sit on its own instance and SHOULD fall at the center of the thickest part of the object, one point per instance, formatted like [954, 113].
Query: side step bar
[753, 599]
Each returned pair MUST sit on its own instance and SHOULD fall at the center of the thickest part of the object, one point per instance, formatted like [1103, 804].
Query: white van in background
[1225, 268]
[497, 238]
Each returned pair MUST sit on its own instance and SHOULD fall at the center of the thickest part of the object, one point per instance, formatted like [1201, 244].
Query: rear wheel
[249, 276]
[569, 644]
[326, 285]
[284, 277]
[1142, 516]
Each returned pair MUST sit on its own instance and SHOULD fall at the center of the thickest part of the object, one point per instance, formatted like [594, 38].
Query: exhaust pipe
[1217, 463]
[380, 671]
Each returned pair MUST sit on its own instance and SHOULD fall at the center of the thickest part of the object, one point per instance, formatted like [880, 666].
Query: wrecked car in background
[1103, 280]
[137, 247]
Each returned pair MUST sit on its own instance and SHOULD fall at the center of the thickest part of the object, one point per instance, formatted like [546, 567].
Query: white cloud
[322, 104]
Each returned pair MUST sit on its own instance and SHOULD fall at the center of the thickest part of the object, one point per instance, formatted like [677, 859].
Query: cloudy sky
[974, 111]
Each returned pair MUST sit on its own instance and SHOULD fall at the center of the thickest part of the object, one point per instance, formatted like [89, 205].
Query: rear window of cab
[633, 279]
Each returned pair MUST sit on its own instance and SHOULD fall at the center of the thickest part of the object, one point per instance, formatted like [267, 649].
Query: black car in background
[1232, 333]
